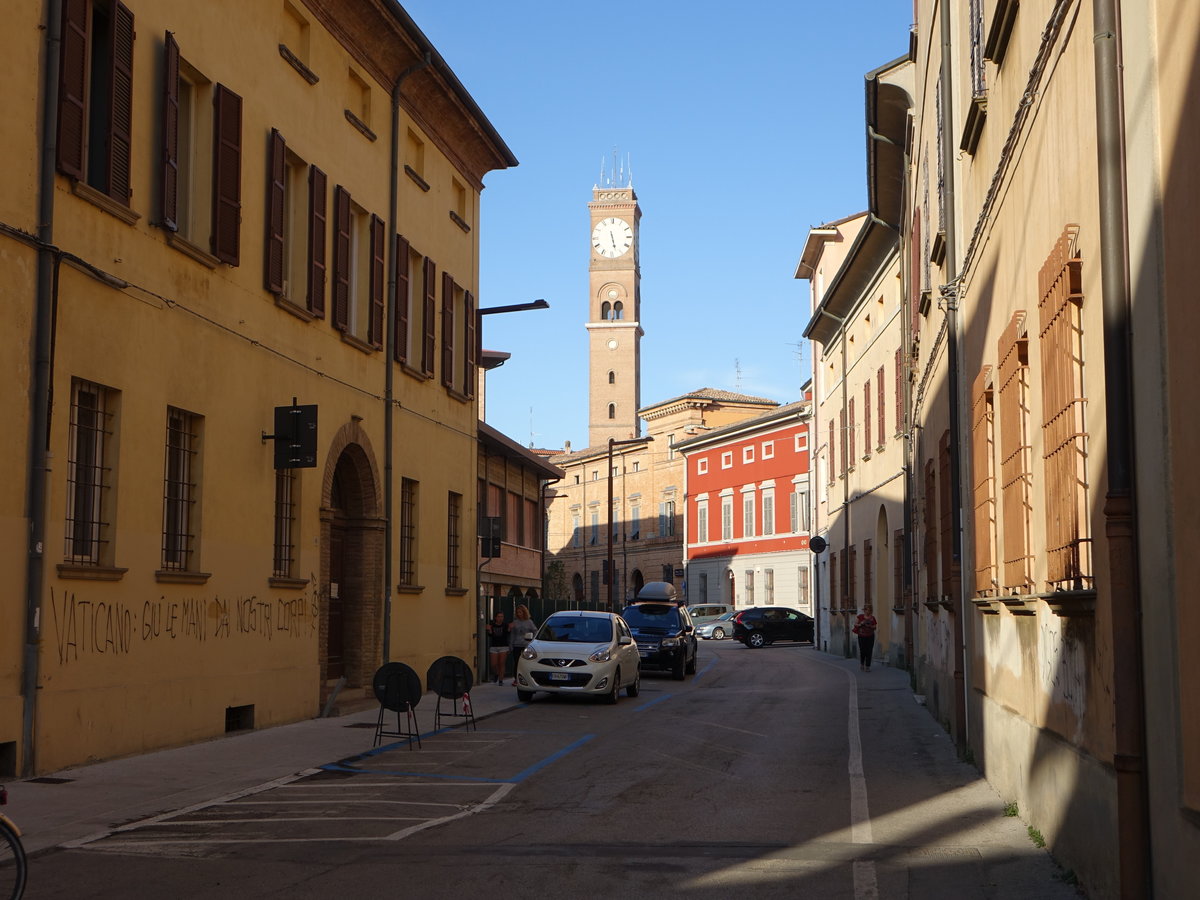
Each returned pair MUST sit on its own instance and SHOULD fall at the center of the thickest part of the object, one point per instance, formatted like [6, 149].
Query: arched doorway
[883, 564]
[352, 565]
[637, 581]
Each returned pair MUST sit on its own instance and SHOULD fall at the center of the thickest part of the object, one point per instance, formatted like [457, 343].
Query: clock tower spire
[614, 310]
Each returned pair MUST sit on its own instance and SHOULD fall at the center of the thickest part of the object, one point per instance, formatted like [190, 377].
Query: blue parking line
[706, 668]
[650, 703]
[520, 776]
[553, 757]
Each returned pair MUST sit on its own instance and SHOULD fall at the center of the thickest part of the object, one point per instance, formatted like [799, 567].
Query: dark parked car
[665, 636]
[765, 625]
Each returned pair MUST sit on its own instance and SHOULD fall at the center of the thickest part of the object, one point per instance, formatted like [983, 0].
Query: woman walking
[497, 633]
[517, 630]
[865, 627]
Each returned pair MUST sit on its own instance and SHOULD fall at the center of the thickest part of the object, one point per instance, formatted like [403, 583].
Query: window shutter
[400, 350]
[899, 391]
[277, 164]
[447, 330]
[227, 175]
[378, 281]
[472, 348]
[120, 132]
[72, 89]
[317, 203]
[867, 416]
[427, 320]
[879, 402]
[850, 433]
[341, 258]
[915, 264]
[169, 212]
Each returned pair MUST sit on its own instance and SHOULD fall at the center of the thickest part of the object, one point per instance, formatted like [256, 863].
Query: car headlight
[529, 653]
[670, 642]
[602, 655]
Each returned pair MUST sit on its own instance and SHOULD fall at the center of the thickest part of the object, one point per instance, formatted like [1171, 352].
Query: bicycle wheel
[12, 863]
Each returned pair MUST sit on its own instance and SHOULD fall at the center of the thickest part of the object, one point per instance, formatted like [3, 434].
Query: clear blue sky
[744, 126]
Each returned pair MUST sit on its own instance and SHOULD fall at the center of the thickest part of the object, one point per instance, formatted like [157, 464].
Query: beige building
[859, 430]
[251, 207]
[1047, 240]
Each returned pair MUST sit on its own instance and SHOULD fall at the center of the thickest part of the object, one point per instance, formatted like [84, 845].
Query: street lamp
[481, 652]
[613, 442]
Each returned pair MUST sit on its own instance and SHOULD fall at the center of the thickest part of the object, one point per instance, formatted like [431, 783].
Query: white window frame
[727, 459]
[748, 454]
[702, 466]
[768, 449]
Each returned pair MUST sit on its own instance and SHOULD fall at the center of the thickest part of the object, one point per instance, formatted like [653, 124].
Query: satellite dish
[817, 544]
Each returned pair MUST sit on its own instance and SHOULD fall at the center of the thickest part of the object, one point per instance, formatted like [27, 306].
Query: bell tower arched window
[605, 310]
[612, 377]
[612, 410]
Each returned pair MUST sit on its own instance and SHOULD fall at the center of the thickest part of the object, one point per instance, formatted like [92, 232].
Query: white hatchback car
[580, 652]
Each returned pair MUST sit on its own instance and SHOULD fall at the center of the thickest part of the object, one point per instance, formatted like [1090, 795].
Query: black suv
[765, 625]
[665, 636]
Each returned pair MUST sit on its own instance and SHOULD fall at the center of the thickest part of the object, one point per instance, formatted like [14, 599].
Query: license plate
[559, 676]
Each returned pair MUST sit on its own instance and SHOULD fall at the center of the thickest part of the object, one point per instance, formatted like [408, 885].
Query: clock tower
[614, 307]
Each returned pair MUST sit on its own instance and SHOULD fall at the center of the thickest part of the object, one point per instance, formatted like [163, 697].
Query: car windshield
[576, 629]
[726, 617]
[651, 615]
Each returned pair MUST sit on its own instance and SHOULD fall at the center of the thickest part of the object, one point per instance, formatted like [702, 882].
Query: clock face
[612, 237]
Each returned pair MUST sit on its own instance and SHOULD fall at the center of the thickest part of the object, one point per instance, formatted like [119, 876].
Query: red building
[748, 511]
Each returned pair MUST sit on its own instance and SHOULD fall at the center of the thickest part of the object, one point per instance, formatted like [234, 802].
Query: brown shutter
[850, 433]
[277, 169]
[378, 281]
[427, 322]
[400, 350]
[899, 391]
[120, 125]
[447, 330]
[169, 211]
[317, 202]
[867, 417]
[914, 273]
[227, 175]
[72, 88]
[879, 402]
[472, 348]
[341, 258]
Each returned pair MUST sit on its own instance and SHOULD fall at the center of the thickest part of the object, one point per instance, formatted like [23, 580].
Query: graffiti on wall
[96, 628]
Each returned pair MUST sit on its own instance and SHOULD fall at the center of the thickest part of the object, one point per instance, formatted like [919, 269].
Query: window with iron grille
[1064, 428]
[180, 492]
[852, 576]
[408, 532]
[454, 541]
[1016, 454]
[898, 569]
[983, 467]
[868, 573]
[929, 523]
[748, 587]
[769, 586]
[802, 586]
[946, 517]
[89, 473]
[285, 523]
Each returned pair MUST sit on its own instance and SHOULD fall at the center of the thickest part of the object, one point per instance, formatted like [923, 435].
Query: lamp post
[481, 617]
[613, 442]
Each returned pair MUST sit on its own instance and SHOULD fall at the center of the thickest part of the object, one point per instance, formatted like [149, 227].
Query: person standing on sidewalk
[517, 630]
[865, 627]
[498, 646]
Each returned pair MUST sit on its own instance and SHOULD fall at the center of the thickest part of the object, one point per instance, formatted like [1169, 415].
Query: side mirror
[687, 628]
[624, 640]
[528, 636]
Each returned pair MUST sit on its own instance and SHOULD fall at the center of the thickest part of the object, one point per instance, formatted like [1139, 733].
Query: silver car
[580, 652]
[718, 629]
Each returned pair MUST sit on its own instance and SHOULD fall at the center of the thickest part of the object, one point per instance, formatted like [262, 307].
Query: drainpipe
[1120, 510]
[389, 427]
[953, 326]
[42, 368]
[845, 489]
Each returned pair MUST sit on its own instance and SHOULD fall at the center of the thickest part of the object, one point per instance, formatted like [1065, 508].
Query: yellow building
[240, 254]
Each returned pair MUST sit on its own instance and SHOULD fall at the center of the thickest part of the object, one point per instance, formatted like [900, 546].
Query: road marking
[650, 703]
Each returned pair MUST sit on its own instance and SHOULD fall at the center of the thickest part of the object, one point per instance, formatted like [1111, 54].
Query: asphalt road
[781, 772]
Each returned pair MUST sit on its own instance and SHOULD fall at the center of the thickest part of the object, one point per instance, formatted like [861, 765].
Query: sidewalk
[93, 798]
